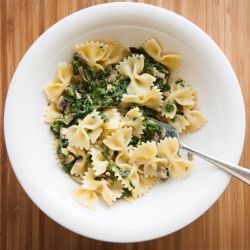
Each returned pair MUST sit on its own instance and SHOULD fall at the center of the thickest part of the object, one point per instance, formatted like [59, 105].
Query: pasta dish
[101, 110]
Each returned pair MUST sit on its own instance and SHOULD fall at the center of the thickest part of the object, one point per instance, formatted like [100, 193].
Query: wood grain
[225, 226]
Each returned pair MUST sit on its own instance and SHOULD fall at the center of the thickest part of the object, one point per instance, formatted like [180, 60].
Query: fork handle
[237, 171]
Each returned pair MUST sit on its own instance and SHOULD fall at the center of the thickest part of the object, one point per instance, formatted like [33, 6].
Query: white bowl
[169, 206]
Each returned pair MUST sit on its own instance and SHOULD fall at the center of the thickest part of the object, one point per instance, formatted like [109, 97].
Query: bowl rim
[7, 131]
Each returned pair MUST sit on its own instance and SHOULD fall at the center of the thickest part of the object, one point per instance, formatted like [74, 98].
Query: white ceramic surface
[168, 206]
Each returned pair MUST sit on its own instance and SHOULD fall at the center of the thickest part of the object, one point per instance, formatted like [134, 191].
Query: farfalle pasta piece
[106, 133]
[128, 175]
[114, 119]
[64, 75]
[134, 119]
[195, 118]
[182, 93]
[169, 109]
[145, 155]
[132, 68]
[88, 198]
[98, 161]
[94, 134]
[159, 165]
[119, 140]
[114, 53]
[79, 167]
[78, 135]
[153, 48]
[179, 122]
[110, 192]
[93, 53]
[77, 151]
[122, 157]
[169, 148]
[92, 121]
[151, 99]
[145, 184]
[52, 113]
[89, 182]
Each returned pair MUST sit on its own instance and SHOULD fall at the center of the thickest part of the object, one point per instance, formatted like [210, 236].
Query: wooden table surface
[224, 226]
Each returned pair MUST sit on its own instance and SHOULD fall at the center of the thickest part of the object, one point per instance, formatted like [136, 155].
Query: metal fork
[237, 171]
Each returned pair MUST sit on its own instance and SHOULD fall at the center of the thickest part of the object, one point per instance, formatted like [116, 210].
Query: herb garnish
[169, 107]
[126, 192]
[151, 128]
[56, 126]
[135, 141]
[67, 167]
[104, 117]
[179, 81]
[91, 92]
[162, 84]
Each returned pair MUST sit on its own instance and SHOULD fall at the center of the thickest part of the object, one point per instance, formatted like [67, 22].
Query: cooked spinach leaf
[148, 112]
[67, 167]
[150, 64]
[124, 173]
[56, 126]
[151, 128]
[78, 63]
[179, 81]
[161, 84]
[169, 107]
[135, 141]
[126, 192]
[92, 90]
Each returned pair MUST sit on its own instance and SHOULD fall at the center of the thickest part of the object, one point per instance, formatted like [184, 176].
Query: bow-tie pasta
[52, 113]
[153, 49]
[144, 157]
[134, 119]
[64, 75]
[168, 148]
[114, 54]
[195, 118]
[132, 67]
[179, 122]
[86, 132]
[114, 119]
[92, 53]
[103, 110]
[151, 99]
[98, 160]
[144, 185]
[119, 140]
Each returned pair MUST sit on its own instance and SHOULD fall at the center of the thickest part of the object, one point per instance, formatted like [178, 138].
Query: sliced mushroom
[112, 77]
[162, 173]
[190, 156]
[61, 104]
[63, 133]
